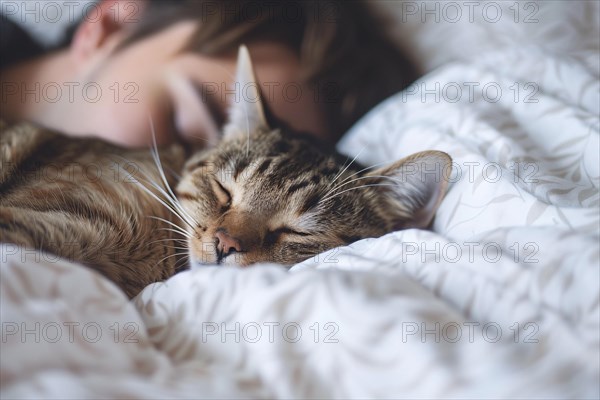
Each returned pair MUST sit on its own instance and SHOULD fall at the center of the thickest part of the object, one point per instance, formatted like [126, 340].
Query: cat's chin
[231, 261]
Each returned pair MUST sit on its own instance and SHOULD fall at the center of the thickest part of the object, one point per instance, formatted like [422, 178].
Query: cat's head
[270, 195]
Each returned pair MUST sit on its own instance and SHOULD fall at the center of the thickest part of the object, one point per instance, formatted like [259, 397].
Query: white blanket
[501, 300]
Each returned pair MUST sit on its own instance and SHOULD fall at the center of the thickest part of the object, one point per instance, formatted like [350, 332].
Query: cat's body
[77, 199]
[261, 195]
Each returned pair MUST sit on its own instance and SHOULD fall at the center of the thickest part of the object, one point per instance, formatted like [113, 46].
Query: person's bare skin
[87, 89]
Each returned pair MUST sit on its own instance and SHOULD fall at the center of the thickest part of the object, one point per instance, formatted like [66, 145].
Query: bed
[501, 298]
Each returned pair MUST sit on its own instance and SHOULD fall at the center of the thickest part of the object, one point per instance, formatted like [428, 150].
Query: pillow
[437, 32]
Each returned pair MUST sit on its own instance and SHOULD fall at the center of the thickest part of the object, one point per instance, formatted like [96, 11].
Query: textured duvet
[500, 299]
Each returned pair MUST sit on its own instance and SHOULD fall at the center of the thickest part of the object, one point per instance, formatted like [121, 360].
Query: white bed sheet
[512, 264]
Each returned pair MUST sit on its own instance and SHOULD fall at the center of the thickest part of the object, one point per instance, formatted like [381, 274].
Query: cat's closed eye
[289, 231]
[223, 195]
[276, 234]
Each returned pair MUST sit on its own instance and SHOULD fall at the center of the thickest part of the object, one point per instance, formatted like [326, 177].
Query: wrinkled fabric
[500, 299]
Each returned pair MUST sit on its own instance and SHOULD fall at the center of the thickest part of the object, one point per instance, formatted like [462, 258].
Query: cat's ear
[411, 190]
[246, 112]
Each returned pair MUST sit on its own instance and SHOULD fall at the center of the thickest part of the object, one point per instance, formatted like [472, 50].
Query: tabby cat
[262, 194]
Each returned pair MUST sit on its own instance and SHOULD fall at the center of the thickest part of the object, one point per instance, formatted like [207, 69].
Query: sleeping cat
[262, 194]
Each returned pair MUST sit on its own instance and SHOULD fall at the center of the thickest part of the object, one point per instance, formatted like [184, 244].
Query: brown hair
[342, 50]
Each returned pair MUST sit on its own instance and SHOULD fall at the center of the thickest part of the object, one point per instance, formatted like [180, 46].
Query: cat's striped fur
[78, 199]
[261, 195]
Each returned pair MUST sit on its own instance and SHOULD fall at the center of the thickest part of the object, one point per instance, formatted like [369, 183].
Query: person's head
[321, 65]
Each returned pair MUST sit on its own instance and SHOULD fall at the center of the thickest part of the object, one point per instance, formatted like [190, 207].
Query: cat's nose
[227, 244]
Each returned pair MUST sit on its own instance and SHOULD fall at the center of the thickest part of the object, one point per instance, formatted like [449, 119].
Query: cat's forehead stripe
[240, 166]
[264, 166]
[310, 202]
[298, 186]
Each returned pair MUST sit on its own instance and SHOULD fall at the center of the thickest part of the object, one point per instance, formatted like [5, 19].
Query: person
[321, 65]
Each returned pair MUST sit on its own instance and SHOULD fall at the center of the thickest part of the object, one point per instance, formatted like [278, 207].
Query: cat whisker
[354, 174]
[369, 177]
[182, 246]
[327, 195]
[339, 173]
[161, 201]
[174, 206]
[177, 227]
[185, 260]
[178, 232]
[170, 196]
[171, 255]
[158, 263]
[177, 208]
[177, 247]
[347, 166]
[354, 188]
[168, 240]
[158, 163]
[191, 135]
[173, 202]
[364, 169]
[174, 231]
